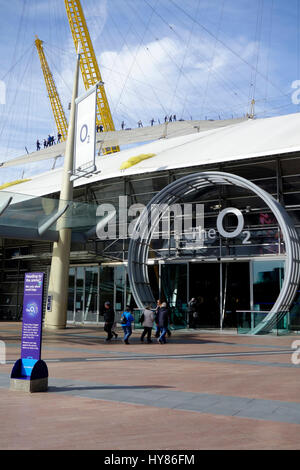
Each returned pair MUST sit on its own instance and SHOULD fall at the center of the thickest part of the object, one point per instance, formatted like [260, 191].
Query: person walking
[147, 324]
[192, 311]
[109, 319]
[158, 305]
[163, 322]
[113, 330]
[126, 320]
[38, 145]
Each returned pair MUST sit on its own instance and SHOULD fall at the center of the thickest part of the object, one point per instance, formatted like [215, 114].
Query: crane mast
[89, 66]
[58, 112]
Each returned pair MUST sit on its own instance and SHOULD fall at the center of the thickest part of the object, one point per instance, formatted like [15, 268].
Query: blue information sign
[32, 321]
[29, 372]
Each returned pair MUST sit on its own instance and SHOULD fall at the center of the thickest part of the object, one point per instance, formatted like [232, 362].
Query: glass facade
[241, 274]
[91, 286]
[229, 294]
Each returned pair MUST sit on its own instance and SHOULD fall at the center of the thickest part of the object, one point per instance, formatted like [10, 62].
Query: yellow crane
[58, 111]
[89, 66]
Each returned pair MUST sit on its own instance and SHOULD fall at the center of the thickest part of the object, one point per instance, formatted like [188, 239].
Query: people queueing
[51, 139]
[147, 323]
[126, 321]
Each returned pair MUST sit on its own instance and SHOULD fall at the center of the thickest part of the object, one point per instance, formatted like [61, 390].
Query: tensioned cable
[136, 62]
[157, 66]
[29, 49]
[253, 79]
[225, 45]
[172, 59]
[17, 90]
[184, 58]
[298, 41]
[180, 68]
[216, 110]
[139, 97]
[195, 87]
[50, 49]
[213, 57]
[53, 65]
[233, 86]
[269, 51]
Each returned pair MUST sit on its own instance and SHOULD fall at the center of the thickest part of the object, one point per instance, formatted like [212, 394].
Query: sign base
[31, 386]
[29, 376]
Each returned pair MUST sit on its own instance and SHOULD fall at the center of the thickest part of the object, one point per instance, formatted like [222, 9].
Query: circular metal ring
[141, 238]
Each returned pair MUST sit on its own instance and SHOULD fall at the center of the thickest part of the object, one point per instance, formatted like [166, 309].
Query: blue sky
[198, 59]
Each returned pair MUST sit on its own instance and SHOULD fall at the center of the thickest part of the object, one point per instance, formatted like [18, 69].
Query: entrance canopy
[40, 218]
[189, 186]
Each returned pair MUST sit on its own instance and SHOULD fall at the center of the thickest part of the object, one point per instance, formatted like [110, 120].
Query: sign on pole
[30, 373]
[32, 317]
[85, 134]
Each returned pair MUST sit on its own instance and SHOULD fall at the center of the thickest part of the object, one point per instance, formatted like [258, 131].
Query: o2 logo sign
[84, 134]
[32, 309]
[240, 226]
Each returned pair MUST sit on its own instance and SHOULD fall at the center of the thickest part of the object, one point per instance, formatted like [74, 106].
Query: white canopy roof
[247, 139]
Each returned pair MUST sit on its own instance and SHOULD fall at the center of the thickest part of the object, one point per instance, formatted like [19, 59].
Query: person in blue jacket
[126, 320]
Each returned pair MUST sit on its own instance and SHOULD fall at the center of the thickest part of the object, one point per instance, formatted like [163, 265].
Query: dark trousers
[147, 331]
[107, 328]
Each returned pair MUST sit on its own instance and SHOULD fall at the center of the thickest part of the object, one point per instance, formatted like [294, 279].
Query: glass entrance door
[91, 289]
[220, 290]
[204, 286]
[236, 292]
[79, 295]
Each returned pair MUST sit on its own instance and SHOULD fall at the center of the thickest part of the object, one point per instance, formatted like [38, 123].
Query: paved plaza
[202, 390]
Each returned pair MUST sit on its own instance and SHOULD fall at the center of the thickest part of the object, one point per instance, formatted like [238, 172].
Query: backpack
[123, 320]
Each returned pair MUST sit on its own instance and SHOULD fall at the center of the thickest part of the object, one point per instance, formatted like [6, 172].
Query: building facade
[236, 279]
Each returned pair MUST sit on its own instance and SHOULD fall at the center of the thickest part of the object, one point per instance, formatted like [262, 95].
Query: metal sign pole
[56, 318]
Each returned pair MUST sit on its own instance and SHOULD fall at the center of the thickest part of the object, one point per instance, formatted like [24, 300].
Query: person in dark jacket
[158, 305]
[109, 319]
[163, 322]
[192, 311]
